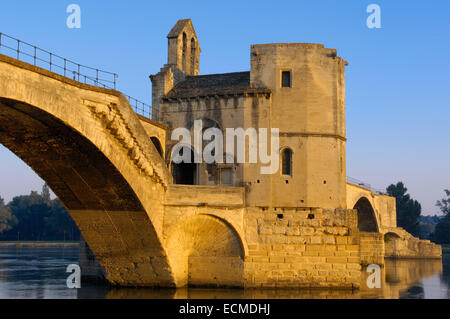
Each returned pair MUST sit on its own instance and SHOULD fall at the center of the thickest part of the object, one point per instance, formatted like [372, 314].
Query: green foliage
[444, 204]
[442, 231]
[408, 209]
[38, 217]
[426, 230]
[7, 220]
[46, 193]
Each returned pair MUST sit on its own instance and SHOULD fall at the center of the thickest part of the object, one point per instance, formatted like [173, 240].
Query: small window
[286, 79]
[286, 164]
[226, 176]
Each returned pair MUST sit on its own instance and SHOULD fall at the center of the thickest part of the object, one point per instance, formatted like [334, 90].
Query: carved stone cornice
[116, 125]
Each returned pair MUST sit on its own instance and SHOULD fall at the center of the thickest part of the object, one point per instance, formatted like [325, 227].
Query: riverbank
[39, 244]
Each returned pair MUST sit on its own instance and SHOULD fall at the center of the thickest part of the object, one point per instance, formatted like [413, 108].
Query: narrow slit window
[193, 56]
[184, 52]
[286, 158]
[286, 79]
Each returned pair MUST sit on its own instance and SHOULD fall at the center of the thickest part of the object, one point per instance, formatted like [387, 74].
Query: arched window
[286, 161]
[157, 145]
[184, 51]
[193, 56]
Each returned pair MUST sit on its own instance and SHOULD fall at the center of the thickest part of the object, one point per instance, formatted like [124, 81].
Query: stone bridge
[376, 212]
[101, 160]
[106, 165]
[91, 148]
[379, 235]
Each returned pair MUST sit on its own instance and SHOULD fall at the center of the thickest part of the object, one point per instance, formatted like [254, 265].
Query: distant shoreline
[38, 244]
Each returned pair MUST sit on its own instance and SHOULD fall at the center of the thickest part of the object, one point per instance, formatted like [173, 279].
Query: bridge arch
[206, 244]
[91, 149]
[367, 219]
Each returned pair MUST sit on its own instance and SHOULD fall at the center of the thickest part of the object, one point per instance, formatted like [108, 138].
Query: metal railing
[36, 56]
[140, 107]
[45, 59]
[367, 186]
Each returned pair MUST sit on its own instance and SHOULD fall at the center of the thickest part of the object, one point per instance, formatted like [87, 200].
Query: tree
[38, 217]
[30, 212]
[46, 194]
[408, 209]
[59, 224]
[442, 232]
[444, 204]
[7, 220]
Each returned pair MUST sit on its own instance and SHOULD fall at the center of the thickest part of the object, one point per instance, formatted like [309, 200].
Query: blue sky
[397, 81]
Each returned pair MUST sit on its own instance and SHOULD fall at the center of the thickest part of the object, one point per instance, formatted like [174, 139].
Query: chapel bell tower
[184, 50]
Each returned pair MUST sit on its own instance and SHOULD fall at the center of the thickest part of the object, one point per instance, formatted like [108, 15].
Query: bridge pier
[371, 248]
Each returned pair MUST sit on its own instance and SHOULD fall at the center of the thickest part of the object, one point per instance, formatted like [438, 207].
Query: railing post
[67, 64]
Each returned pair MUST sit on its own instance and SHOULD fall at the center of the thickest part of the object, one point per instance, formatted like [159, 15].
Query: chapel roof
[214, 84]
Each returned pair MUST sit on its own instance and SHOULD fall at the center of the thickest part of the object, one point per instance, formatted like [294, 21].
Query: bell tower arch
[184, 50]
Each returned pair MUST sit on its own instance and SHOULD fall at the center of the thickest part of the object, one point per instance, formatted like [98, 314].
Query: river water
[27, 272]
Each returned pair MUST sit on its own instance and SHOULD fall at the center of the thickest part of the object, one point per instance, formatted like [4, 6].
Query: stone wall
[400, 244]
[301, 248]
[199, 195]
[371, 248]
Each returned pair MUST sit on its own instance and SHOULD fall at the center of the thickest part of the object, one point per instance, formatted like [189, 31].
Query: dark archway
[185, 173]
[367, 221]
[157, 145]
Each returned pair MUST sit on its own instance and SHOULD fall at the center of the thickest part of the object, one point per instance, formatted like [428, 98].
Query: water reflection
[400, 279]
[405, 279]
[40, 273]
[35, 272]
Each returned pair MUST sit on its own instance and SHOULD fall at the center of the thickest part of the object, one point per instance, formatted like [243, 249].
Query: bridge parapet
[199, 195]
